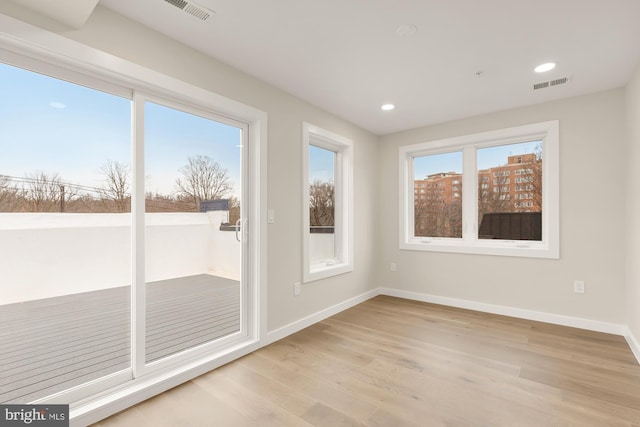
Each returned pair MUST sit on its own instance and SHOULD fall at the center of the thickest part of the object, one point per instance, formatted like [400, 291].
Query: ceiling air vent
[192, 9]
[555, 82]
[558, 81]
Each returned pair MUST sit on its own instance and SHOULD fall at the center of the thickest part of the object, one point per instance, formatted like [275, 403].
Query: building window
[500, 181]
[328, 203]
[490, 218]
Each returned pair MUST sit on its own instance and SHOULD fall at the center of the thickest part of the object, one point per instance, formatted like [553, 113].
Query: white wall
[633, 206]
[110, 32]
[592, 164]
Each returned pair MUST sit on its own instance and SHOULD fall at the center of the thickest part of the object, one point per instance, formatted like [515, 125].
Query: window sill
[326, 269]
[514, 248]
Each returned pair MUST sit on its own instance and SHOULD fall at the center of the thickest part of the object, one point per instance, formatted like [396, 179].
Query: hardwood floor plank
[394, 362]
[257, 408]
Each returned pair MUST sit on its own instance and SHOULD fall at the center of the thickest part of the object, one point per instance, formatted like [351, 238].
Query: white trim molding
[634, 343]
[305, 322]
[539, 316]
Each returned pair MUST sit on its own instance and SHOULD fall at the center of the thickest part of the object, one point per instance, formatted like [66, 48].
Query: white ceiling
[347, 57]
[73, 13]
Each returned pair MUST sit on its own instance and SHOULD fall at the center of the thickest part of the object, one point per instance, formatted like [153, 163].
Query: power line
[27, 180]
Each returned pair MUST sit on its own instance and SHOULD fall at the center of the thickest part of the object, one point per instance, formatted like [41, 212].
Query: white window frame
[548, 247]
[343, 214]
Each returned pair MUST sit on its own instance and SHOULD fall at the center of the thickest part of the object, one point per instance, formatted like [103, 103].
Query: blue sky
[172, 136]
[487, 158]
[57, 127]
[321, 164]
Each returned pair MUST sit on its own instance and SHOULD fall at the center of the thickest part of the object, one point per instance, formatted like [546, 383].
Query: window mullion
[408, 190]
[469, 195]
[338, 228]
[138, 242]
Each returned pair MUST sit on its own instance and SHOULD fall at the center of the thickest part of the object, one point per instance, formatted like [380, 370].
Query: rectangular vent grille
[555, 82]
[197, 11]
[192, 9]
[558, 81]
[180, 4]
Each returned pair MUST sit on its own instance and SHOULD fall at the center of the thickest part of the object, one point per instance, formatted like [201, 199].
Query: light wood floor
[394, 362]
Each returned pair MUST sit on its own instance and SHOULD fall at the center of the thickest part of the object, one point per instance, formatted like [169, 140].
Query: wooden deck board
[52, 344]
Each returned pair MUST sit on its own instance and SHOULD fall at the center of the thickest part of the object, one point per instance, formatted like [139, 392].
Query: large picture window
[509, 205]
[327, 194]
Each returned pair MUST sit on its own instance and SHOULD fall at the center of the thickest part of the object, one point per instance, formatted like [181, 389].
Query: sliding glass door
[123, 233]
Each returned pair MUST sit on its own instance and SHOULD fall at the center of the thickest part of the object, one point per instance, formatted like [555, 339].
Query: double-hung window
[493, 193]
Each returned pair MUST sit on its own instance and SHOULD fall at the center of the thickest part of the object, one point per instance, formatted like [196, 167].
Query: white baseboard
[298, 325]
[634, 343]
[557, 319]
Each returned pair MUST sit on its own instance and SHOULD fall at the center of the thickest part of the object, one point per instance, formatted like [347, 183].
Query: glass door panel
[65, 235]
[193, 237]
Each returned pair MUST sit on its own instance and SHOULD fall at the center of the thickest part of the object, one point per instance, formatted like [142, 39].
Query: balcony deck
[52, 344]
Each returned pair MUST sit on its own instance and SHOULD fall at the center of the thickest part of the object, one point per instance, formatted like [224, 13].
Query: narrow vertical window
[327, 196]
[322, 199]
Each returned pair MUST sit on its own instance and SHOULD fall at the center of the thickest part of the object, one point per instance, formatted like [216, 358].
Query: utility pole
[61, 198]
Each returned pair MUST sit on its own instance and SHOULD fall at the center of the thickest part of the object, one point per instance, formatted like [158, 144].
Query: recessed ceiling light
[543, 68]
[388, 107]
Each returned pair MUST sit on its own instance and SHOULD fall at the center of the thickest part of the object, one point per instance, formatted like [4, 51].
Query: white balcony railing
[47, 254]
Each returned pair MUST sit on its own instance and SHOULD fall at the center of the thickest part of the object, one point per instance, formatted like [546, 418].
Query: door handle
[237, 227]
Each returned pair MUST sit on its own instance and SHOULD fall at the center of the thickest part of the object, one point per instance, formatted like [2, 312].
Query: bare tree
[203, 179]
[46, 193]
[116, 186]
[234, 209]
[495, 199]
[536, 180]
[321, 203]
[421, 217]
[8, 199]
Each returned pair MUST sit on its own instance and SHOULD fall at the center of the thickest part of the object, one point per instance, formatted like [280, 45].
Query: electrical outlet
[393, 266]
[578, 286]
[296, 289]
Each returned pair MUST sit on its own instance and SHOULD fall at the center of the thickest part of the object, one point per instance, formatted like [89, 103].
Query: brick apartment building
[513, 187]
